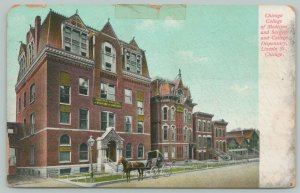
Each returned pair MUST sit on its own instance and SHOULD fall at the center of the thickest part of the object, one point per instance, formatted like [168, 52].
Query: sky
[216, 48]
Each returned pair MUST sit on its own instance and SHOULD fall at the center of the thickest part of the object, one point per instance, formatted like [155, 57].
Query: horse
[129, 166]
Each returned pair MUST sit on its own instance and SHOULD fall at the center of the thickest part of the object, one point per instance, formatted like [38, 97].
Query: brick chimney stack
[37, 27]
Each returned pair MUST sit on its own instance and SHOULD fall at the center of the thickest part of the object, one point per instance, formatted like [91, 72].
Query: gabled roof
[110, 132]
[76, 21]
[22, 48]
[240, 134]
[133, 43]
[108, 29]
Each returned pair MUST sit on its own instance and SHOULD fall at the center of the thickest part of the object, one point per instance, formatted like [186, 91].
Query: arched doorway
[111, 151]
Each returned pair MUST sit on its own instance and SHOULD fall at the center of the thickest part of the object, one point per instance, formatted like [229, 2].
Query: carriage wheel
[166, 170]
[154, 172]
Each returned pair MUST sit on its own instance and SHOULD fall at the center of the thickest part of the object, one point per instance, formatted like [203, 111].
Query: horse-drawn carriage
[156, 165]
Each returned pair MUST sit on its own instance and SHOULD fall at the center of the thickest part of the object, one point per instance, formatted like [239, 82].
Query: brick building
[75, 81]
[171, 119]
[203, 133]
[219, 135]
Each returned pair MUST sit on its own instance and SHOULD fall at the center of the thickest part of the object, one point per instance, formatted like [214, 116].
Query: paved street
[238, 176]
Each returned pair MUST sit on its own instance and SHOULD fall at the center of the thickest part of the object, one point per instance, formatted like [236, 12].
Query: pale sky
[216, 48]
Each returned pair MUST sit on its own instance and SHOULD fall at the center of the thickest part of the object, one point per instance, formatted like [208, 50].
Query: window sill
[81, 161]
[83, 95]
[65, 103]
[65, 124]
[63, 162]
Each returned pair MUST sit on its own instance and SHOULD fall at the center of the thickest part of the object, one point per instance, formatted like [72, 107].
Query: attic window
[133, 62]
[75, 41]
[108, 57]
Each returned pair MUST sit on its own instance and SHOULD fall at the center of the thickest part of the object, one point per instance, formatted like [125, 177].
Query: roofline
[203, 114]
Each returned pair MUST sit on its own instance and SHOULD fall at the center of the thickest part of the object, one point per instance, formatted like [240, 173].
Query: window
[208, 126]
[107, 91]
[204, 142]
[12, 157]
[107, 120]
[133, 62]
[75, 41]
[24, 126]
[184, 134]
[22, 63]
[24, 99]
[83, 152]
[31, 161]
[190, 135]
[108, 57]
[172, 133]
[128, 96]
[128, 150]
[64, 153]
[83, 119]
[199, 141]
[32, 93]
[65, 94]
[19, 105]
[189, 118]
[165, 132]
[30, 47]
[165, 113]
[140, 127]
[128, 123]
[32, 123]
[83, 86]
[203, 126]
[173, 152]
[208, 142]
[185, 116]
[65, 140]
[140, 151]
[166, 152]
[172, 113]
[180, 96]
[64, 117]
[140, 108]
[199, 125]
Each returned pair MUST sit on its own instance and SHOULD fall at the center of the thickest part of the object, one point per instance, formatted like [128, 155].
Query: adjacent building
[203, 132]
[243, 143]
[171, 119]
[75, 82]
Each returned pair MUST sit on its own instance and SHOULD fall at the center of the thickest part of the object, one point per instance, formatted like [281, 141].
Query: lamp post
[91, 143]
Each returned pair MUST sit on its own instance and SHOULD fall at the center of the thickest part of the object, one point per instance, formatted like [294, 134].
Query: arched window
[65, 140]
[180, 96]
[165, 132]
[172, 113]
[32, 93]
[140, 151]
[165, 113]
[128, 150]
[199, 141]
[172, 133]
[64, 149]
[203, 126]
[83, 152]
[108, 57]
[185, 116]
[184, 134]
[208, 142]
[190, 135]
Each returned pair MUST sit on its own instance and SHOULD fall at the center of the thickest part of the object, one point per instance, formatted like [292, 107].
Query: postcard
[151, 96]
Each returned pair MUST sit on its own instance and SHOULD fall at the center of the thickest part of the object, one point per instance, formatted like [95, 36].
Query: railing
[222, 154]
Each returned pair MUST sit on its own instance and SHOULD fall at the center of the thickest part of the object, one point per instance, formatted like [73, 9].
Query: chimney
[37, 28]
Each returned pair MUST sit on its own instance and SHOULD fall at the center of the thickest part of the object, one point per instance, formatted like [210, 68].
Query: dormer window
[75, 41]
[108, 57]
[31, 54]
[133, 62]
[22, 63]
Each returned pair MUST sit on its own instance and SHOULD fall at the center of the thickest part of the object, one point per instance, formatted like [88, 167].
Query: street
[237, 176]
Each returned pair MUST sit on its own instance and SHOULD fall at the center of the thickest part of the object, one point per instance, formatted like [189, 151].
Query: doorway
[111, 151]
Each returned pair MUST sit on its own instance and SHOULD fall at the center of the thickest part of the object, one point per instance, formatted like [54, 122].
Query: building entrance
[111, 151]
